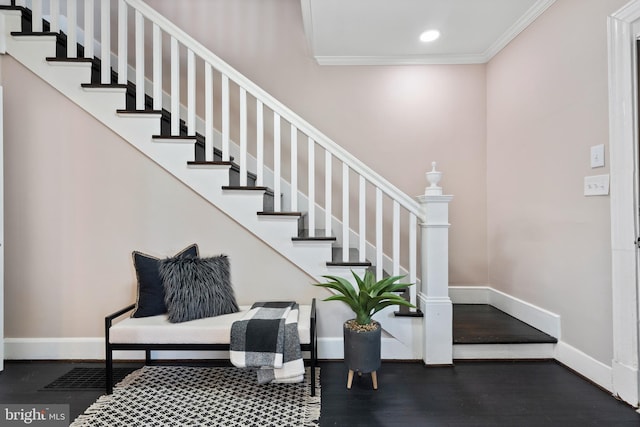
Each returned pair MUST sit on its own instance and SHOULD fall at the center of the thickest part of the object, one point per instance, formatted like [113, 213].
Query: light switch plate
[596, 185]
[597, 156]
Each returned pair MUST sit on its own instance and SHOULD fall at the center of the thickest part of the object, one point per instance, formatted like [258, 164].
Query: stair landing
[481, 331]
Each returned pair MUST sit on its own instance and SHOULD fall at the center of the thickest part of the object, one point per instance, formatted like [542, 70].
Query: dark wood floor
[468, 394]
[409, 394]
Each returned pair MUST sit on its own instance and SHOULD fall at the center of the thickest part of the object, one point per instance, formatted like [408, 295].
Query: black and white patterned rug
[197, 396]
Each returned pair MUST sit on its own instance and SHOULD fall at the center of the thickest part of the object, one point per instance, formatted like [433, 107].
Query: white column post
[434, 257]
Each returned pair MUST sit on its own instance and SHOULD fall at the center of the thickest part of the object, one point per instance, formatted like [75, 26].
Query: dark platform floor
[485, 324]
[409, 394]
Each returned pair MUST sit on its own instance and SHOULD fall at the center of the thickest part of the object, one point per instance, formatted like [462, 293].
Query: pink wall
[512, 138]
[546, 105]
[397, 120]
[79, 200]
[85, 199]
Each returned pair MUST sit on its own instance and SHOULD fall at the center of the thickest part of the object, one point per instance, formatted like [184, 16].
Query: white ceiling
[378, 32]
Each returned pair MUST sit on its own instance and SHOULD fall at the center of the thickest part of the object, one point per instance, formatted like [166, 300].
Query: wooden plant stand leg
[349, 379]
[374, 379]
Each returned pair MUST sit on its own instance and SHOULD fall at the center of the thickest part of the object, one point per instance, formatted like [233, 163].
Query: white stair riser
[10, 21]
[113, 99]
[503, 351]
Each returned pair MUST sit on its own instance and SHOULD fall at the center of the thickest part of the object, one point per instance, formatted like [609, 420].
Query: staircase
[255, 181]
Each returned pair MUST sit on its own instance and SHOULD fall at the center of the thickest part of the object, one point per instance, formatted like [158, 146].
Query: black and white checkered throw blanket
[267, 338]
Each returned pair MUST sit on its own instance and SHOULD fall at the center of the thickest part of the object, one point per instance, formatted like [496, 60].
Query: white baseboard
[626, 379]
[86, 348]
[93, 349]
[330, 348]
[537, 317]
[503, 351]
[469, 294]
[585, 365]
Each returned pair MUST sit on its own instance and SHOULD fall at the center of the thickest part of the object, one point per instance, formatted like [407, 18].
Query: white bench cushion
[209, 330]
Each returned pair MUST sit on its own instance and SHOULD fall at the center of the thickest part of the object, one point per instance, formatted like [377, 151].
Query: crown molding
[527, 19]
[473, 58]
[307, 23]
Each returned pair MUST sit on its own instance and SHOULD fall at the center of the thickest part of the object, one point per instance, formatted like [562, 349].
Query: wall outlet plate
[596, 185]
[597, 156]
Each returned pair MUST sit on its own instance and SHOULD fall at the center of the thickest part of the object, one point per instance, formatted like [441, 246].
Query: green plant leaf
[397, 287]
[375, 301]
[367, 296]
[351, 303]
[382, 306]
[341, 285]
[361, 283]
[384, 284]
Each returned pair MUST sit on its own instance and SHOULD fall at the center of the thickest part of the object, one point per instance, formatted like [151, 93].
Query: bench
[211, 333]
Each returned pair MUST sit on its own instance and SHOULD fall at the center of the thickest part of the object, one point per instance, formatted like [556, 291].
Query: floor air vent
[86, 378]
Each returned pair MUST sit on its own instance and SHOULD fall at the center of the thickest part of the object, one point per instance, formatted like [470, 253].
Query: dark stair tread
[104, 85]
[408, 313]
[267, 213]
[210, 163]
[67, 59]
[192, 137]
[303, 235]
[353, 259]
[267, 190]
[348, 264]
[485, 324]
[32, 33]
[126, 111]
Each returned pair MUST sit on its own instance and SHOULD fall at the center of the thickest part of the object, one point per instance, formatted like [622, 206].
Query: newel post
[434, 257]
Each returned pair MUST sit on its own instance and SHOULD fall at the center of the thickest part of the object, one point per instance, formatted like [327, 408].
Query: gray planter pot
[362, 349]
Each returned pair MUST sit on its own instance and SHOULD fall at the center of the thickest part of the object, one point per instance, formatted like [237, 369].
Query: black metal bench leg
[108, 357]
[314, 347]
[109, 370]
[313, 379]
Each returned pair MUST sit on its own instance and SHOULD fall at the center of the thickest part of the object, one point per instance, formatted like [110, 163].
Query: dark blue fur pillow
[150, 295]
[197, 287]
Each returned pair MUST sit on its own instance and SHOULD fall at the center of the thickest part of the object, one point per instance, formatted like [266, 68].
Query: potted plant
[362, 335]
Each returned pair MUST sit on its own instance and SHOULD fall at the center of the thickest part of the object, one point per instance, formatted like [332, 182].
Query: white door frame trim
[623, 31]
[1, 229]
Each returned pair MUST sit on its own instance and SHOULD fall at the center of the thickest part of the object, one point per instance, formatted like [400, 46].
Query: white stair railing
[230, 102]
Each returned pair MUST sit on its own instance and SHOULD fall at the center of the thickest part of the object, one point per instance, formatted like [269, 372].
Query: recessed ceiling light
[429, 36]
